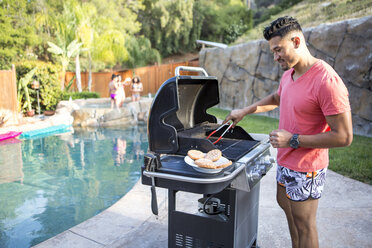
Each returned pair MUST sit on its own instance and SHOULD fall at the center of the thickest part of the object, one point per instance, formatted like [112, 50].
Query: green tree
[44, 15]
[224, 20]
[17, 35]
[141, 52]
[65, 54]
[85, 32]
[115, 33]
[168, 24]
[173, 26]
[110, 38]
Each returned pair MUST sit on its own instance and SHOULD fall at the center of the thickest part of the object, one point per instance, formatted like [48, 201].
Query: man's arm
[268, 103]
[341, 134]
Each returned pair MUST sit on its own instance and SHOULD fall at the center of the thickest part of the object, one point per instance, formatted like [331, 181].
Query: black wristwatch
[294, 142]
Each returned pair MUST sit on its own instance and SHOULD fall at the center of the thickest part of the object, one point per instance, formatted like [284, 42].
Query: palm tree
[66, 45]
[86, 15]
[65, 54]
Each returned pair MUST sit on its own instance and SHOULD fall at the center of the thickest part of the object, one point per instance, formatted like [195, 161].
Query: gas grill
[227, 215]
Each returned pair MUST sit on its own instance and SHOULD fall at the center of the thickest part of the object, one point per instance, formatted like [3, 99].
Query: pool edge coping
[104, 228]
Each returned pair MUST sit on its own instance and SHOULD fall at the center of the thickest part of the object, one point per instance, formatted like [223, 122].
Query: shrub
[79, 95]
[263, 13]
[48, 76]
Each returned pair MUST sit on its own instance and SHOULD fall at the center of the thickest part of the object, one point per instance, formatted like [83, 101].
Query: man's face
[283, 49]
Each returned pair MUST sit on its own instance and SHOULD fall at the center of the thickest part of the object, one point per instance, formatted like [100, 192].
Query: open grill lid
[181, 103]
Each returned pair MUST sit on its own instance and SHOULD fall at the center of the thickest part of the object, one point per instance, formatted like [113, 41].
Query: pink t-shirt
[304, 103]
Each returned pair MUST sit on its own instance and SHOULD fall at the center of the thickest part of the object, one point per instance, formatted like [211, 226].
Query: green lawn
[354, 161]
[311, 13]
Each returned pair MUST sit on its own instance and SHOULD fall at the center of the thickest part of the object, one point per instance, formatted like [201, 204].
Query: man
[314, 115]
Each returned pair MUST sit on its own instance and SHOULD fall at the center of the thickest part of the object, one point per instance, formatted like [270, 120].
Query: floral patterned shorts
[300, 186]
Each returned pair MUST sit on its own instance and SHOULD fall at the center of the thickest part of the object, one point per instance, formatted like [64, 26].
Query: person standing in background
[114, 91]
[121, 90]
[137, 88]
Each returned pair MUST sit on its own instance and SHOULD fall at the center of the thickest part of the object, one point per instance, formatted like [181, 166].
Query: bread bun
[214, 155]
[195, 154]
[223, 164]
[205, 163]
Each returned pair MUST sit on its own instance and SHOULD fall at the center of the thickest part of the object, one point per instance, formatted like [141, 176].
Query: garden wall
[247, 72]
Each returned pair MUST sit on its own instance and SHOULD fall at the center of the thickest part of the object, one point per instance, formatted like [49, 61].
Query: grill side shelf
[240, 165]
[228, 177]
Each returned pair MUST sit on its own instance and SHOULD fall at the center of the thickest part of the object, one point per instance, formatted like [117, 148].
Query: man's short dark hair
[281, 27]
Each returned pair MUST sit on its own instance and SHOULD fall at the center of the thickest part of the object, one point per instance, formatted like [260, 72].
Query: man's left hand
[280, 138]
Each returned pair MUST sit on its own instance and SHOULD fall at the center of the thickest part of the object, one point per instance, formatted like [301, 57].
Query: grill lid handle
[190, 68]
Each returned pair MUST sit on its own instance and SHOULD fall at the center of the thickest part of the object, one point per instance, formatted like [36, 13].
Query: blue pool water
[50, 184]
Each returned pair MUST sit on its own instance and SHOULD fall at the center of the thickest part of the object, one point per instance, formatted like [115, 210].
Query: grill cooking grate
[235, 149]
[234, 145]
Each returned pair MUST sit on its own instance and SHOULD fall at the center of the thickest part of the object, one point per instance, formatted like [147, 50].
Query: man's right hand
[235, 115]
[268, 103]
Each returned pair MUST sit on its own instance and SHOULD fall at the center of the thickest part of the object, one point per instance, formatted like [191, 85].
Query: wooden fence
[151, 76]
[8, 97]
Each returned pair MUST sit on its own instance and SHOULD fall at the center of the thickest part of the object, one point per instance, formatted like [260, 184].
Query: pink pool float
[9, 135]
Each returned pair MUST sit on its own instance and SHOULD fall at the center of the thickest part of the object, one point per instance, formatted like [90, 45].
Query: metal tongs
[227, 129]
[151, 164]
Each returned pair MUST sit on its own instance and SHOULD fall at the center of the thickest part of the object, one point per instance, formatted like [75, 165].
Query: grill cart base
[236, 225]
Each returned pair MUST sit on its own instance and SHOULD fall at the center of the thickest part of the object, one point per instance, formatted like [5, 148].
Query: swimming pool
[50, 184]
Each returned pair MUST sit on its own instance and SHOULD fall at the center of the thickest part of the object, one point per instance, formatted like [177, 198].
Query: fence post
[15, 104]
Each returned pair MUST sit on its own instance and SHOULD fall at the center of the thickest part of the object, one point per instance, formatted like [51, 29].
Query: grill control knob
[256, 175]
[263, 169]
[264, 164]
[267, 160]
[272, 160]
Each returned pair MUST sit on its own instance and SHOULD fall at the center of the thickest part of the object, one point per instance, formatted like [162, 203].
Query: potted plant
[49, 112]
[30, 113]
[50, 102]
[22, 84]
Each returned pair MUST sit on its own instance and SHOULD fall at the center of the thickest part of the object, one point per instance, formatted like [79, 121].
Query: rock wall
[97, 112]
[247, 72]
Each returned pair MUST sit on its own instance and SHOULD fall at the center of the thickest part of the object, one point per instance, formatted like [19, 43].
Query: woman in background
[126, 82]
[114, 91]
[137, 88]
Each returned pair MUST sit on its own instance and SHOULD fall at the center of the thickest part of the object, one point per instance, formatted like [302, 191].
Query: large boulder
[97, 113]
[247, 72]
[81, 115]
